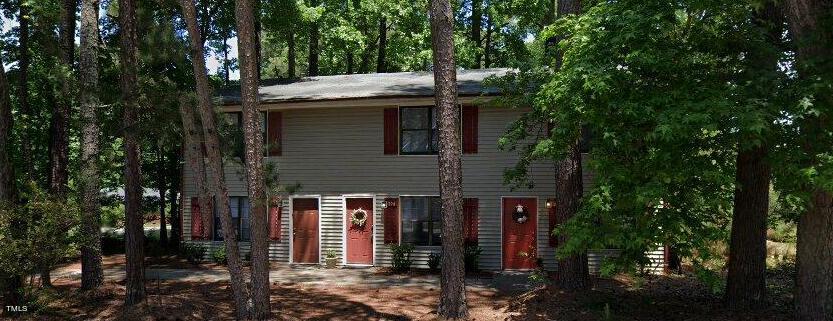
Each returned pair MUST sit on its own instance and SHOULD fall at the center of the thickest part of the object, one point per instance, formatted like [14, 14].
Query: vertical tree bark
[253, 138]
[226, 61]
[572, 273]
[452, 303]
[23, 89]
[383, 45]
[746, 278]
[215, 163]
[59, 137]
[349, 55]
[27, 150]
[134, 233]
[8, 190]
[290, 54]
[487, 59]
[196, 161]
[91, 275]
[161, 186]
[175, 188]
[476, 25]
[314, 34]
[811, 25]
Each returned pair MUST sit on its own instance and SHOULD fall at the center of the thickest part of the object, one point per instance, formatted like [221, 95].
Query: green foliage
[194, 253]
[434, 261]
[37, 234]
[401, 259]
[218, 255]
[330, 254]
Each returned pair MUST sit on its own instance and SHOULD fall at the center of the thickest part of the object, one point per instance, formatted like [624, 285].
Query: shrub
[194, 253]
[112, 243]
[218, 255]
[471, 257]
[434, 261]
[401, 257]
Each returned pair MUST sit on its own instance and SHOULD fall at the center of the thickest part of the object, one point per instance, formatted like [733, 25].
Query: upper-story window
[418, 130]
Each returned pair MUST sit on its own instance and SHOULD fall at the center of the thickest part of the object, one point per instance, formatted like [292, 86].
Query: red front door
[305, 230]
[519, 245]
[359, 237]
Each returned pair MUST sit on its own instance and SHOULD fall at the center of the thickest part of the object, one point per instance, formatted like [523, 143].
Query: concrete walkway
[317, 276]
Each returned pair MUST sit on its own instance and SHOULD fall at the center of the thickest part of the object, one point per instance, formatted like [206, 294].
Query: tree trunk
[91, 274]
[383, 44]
[253, 138]
[572, 273]
[487, 57]
[746, 279]
[226, 61]
[452, 303]
[314, 33]
[215, 164]
[811, 26]
[8, 188]
[196, 162]
[290, 54]
[162, 188]
[23, 92]
[27, 150]
[175, 188]
[134, 233]
[476, 25]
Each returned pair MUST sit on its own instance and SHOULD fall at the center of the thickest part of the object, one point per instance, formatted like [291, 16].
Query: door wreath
[521, 214]
[358, 217]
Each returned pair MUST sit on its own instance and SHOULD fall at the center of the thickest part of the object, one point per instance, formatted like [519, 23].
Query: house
[365, 146]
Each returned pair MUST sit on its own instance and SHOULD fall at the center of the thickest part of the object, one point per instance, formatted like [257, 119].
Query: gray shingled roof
[356, 86]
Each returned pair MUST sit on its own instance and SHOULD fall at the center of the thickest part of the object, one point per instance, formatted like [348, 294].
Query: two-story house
[365, 146]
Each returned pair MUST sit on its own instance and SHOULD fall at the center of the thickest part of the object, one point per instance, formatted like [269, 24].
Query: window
[418, 130]
[239, 207]
[421, 221]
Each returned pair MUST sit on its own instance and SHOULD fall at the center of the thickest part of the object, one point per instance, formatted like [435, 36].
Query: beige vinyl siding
[331, 152]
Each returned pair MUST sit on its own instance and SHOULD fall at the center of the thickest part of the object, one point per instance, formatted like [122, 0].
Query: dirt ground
[675, 297]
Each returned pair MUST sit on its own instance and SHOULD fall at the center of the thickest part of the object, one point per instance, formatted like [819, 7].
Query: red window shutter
[273, 137]
[391, 131]
[391, 221]
[553, 240]
[275, 223]
[470, 218]
[196, 220]
[470, 129]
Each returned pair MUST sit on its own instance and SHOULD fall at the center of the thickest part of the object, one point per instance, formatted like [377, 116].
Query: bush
[401, 257]
[434, 261]
[219, 255]
[112, 243]
[194, 253]
[471, 257]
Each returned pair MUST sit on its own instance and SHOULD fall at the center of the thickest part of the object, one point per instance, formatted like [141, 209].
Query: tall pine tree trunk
[161, 186]
[134, 233]
[314, 34]
[476, 25]
[487, 56]
[196, 162]
[175, 187]
[746, 277]
[383, 45]
[572, 273]
[253, 138]
[91, 274]
[8, 188]
[452, 303]
[27, 150]
[811, 25]
[290, 54]
[215, 163]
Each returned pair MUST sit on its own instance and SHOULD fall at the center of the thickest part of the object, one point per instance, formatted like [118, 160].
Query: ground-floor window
[239, 207]
[421, 220]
